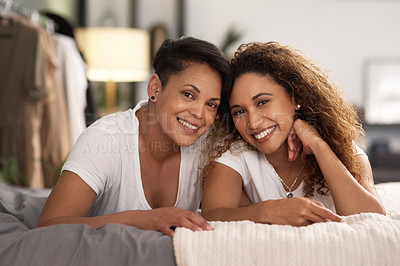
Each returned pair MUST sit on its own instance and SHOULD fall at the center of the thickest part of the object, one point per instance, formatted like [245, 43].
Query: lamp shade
[115, 54]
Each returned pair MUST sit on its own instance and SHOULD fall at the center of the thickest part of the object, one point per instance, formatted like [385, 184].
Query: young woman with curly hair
[280, 96]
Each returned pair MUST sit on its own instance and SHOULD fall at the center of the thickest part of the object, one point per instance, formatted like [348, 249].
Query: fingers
[325, 213]
[184, 222]
[313, 218]
[166, 219]
[318, 213]
[303, 211]
[167, 231]
[299, 126]
[294, 145]
[290, 140]
[199, 221]
[304, 130]
[291, 147]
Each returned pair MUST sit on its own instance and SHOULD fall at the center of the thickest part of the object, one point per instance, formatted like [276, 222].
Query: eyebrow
[198, 91]
[253, 98]
[194, 87]
[215, 99]
[260, 94]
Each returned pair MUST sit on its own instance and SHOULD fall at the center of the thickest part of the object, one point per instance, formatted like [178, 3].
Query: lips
[264, 133]
[187, 124]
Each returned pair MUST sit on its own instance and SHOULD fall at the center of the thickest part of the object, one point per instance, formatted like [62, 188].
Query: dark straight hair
[174, 56]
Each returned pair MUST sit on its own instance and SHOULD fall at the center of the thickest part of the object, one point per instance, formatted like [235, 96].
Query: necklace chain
[289, 194]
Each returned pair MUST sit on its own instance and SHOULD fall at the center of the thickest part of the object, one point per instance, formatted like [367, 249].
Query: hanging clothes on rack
[65, 28]
[34, 126]
[72, 71]
[19, 85]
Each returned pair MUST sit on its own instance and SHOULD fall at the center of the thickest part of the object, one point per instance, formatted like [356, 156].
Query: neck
[152, 140]
[279, 159]
[289, 173]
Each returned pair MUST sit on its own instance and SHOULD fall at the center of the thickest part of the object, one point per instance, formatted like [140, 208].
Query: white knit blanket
[363, 239]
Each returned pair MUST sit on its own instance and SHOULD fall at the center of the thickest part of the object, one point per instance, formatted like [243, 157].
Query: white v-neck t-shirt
[260, 180]
[106, 157]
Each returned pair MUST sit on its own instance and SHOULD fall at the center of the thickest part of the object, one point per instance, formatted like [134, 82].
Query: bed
[364, 239]
[78, 244]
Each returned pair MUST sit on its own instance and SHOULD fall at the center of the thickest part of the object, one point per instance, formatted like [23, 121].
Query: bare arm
[222, 198]
[222, 195]
[349, 196]
[71, 200]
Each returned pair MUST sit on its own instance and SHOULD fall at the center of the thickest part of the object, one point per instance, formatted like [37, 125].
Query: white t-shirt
[260, 180]
[106, 157]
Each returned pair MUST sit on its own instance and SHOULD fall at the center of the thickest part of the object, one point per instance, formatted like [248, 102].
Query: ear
[153, 87]
[294, 104]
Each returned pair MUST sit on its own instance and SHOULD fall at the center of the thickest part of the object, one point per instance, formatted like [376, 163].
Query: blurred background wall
[340, 34]
[344, 36]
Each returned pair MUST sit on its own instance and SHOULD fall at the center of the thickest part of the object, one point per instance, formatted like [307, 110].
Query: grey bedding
[112, 244]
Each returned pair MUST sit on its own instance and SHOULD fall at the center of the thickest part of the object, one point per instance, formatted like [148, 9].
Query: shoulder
[357, 150]
[240, 149]
[124, 122]
[239, 157]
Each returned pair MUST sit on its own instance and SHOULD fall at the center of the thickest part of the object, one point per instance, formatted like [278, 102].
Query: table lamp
[115, 55]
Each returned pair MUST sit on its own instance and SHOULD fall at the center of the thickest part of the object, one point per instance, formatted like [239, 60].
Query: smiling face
[187, 105]
[262, 112]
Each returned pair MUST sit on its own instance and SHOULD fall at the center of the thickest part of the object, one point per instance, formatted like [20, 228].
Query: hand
[307, 135]
[298, 212]
[165, 219]
[294, 146]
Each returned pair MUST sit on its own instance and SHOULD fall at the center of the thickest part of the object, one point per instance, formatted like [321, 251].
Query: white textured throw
[363, 239]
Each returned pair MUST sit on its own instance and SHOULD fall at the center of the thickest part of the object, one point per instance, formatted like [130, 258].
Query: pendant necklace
[289, 194]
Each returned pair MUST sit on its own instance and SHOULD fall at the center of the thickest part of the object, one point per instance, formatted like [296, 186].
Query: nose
[253, 120]
[197, 110]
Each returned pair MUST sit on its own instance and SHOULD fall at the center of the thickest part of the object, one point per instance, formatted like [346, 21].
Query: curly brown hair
[322, 105]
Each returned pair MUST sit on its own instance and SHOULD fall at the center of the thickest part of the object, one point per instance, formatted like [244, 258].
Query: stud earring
[297, 112]
[152, 98]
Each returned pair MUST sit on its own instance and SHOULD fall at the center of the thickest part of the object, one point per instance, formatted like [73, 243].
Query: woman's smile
[188, 126]
[265, 134]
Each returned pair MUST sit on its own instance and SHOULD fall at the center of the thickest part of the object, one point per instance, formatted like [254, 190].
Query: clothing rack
[32, 14]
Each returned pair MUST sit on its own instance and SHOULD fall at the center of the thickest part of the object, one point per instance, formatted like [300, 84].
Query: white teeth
[186, 124]
[264, 133]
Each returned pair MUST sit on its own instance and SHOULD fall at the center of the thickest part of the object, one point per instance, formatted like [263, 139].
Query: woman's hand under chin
[307, 135]
[294, 146]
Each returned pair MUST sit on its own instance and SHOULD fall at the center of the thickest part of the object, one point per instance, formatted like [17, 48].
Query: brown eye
[239, 112]
[261, 103]
[212, 105]
[188, 95]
